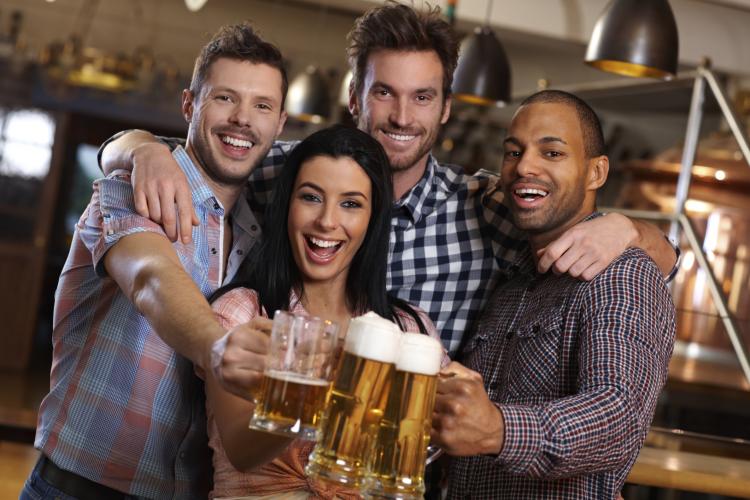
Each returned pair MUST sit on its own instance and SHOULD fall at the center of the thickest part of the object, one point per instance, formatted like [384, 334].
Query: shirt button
[216, 206]
[182, 455]
[239, 252]
[213, 251]
[509, 335]
[253, 227]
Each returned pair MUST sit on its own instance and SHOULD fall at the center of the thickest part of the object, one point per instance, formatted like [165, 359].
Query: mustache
[402, 130]
[529, 183]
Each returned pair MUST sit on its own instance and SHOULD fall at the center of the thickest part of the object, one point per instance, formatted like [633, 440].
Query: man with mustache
[451, 233]
[125, 415]
[562, 377]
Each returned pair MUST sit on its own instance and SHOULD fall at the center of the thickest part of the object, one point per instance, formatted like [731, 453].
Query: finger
[593, 270]
[563, 263]
[168, 213]
[141, 205]
[186, 214]
[552, 252]
[154, 207]
[265, 325]
[583, 262]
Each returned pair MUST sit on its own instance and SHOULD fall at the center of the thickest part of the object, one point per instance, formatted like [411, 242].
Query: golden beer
[290, 401]
[357, 402]
[396, 468]
[297, 376]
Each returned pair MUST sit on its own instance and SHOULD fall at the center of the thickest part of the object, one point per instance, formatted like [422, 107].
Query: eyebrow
[544, 140]
[314, 186]
[230, 90]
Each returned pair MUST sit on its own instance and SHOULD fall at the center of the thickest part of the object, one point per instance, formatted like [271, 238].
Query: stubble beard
[211, 164]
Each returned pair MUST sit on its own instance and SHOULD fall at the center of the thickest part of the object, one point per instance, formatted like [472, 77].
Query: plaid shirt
[450, 235]
[124, 409]
[576, 368]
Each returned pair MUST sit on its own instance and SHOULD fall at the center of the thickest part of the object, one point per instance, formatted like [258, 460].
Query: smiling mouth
[235, 142]
[323, 249]
[400, 137]
[530, 194]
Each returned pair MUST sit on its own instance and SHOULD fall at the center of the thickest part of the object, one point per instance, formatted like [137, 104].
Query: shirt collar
[198, 187]
[241, 213]
[414, 202]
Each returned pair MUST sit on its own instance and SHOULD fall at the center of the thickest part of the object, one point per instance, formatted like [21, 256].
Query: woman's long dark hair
[272, 271]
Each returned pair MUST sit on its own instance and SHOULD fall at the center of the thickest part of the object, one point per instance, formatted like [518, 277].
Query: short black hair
[593, 137]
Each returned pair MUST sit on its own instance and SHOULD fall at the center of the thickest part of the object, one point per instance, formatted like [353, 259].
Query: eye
[263, 106]
[424, 98]
[552, 154]
[512, 154]
[351, 204]
[223, 98]
[309, 197]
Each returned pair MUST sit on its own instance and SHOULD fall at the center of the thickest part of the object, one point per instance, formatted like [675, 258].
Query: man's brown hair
[395, 26]
[239, 42]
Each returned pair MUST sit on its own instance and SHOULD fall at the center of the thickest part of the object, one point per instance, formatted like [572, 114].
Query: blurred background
[74, 72]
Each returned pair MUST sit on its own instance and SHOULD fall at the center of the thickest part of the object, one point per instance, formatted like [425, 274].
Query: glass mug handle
[433, 453]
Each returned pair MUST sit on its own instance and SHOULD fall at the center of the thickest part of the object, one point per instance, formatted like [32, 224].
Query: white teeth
[324, 243]
[400, 137]
[239, 143]
[527, 191]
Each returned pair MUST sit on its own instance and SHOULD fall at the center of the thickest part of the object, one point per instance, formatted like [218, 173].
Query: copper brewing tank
[719, 206]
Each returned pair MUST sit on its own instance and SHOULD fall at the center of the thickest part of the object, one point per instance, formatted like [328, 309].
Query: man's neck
[227, 194]
[405, 180]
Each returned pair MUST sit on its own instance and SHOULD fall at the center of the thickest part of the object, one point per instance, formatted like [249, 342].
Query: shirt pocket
[534, 371]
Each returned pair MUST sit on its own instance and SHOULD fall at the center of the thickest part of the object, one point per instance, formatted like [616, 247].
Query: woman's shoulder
[238, 305]
[410, 324]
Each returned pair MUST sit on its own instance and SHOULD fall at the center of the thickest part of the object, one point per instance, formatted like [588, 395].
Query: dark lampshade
[483, 73]
[635, 38]
[307, 98]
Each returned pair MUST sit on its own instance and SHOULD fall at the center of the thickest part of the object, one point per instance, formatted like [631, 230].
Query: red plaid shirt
[576, 368]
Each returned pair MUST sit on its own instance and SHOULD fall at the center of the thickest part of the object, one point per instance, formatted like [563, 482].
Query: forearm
[652, 241]
[556, 440]
[148, 271]
[118, 154]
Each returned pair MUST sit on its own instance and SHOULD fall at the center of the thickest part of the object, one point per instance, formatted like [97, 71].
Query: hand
[239, 357]
[160, 186]
[465, 422]
[586, 249]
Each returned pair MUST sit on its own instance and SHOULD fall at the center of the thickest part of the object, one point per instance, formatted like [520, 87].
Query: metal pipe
[717, 294]
[726, 109]
[692, 135]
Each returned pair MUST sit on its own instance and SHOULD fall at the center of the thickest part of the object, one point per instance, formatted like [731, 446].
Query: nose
[241, 115]
[328, 216]
[400, 112]
[526, 167]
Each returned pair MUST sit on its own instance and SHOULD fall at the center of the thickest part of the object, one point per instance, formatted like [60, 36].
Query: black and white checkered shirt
[450, 236]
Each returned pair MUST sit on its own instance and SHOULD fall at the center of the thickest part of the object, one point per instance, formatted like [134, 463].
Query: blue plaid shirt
[576, 368]
[124, 409]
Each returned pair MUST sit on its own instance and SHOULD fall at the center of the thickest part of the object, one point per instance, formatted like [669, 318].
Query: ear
[446, 110]
[353, 102]
[282, 122]
[188, 105]
[598, 171]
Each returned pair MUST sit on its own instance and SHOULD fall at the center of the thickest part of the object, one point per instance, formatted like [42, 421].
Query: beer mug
[297, 376]
[357, 402]
[396, 468]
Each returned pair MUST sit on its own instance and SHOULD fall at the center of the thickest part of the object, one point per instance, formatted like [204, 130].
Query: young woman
[325, 254]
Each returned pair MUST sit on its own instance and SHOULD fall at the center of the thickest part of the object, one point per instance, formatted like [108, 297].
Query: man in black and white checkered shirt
[451, 232]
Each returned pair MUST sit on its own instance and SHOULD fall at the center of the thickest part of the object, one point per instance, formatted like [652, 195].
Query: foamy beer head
[373, 337]
[419, 354]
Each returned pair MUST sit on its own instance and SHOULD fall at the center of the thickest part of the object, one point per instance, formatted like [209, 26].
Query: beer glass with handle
[357, 402]
[297, 376]
[396, 468]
